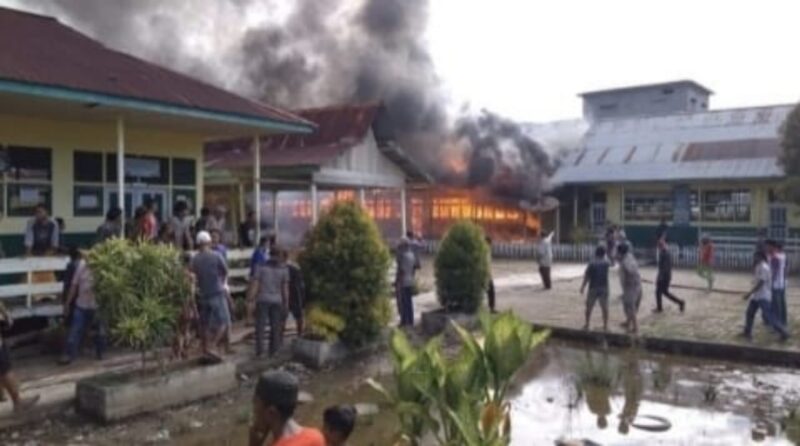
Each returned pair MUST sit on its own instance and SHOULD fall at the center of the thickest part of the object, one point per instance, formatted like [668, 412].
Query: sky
[529, 59]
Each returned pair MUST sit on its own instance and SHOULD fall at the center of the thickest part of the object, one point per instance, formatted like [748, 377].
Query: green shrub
[459, 399]
[323, 325]
[140, 289]
[345, 265]
[462, 268]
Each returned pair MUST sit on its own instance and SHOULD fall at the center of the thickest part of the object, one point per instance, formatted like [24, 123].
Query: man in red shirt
[274, 404]
[705, 267]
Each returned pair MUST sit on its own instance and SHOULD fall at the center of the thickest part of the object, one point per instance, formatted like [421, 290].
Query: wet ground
[704, 403]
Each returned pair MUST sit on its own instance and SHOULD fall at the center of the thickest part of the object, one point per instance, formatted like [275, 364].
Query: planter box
[318, 354]
[113, 397]
[438, 321]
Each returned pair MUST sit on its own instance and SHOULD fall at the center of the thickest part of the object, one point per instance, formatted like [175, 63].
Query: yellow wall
[759, 215]
[64, 137]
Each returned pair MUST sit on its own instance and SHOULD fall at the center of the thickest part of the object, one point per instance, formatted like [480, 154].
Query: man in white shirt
[544, 256]
[777, 264]
[760, 299]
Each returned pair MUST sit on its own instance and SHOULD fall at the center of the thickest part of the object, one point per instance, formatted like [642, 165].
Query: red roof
[40, 50]
[338, 129]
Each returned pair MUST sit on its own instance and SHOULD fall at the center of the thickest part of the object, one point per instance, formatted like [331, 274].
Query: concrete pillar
[403, 212]
[575, 207]
[275, 212]
[257, 185]
[314, 204]
[362, 198]
[121, 169]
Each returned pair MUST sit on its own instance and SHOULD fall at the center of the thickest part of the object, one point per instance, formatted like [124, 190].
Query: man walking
[490, 287]
[270, 291]
[705, 268]
[211, 272]
[664, 278]
[631, 283]
[404, 282]
[596, 276]
[84, 314]
[760, 299]
[544, 256]
[777, 262]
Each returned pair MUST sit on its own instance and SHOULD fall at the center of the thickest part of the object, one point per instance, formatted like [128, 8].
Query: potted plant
[459, 400]
[140, 290]
[345, 266]
[461, 270]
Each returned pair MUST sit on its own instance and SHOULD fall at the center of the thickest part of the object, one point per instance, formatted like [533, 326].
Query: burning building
[352, 155]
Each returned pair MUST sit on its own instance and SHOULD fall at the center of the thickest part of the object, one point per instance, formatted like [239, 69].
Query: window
[652, 206]
[184, 172]
[23, 198]
[727, 205]
[29, 163]
[139, 169]
[88, 201]
[28, 172]
[668, 90]
[87, 167]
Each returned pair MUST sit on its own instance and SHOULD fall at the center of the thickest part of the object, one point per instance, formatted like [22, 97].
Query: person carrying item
[664, 278]
[8, 383]
[631, 283]
[338, 424]
[705, 267]
[84, 314]
[544, 256]
[41, 233]
[211, 270]
[596, 276]
[270, 291]
[274, 404]
[760, 298]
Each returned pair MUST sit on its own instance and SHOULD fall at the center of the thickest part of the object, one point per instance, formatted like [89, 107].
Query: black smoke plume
[311, 53]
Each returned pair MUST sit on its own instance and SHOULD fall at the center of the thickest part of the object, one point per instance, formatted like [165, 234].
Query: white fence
[38, 292]
[730, 257]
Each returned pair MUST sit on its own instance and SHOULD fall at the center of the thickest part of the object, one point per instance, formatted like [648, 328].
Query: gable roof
[714, 145]
[40, 56]
[339, 128]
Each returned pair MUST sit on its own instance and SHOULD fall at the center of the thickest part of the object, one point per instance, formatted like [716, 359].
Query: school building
[82, 125]
[657, 152]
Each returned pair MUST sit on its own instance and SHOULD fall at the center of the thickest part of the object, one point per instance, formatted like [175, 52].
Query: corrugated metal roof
[339, 128]
[720, 144]
[688, 82]
[38, 50]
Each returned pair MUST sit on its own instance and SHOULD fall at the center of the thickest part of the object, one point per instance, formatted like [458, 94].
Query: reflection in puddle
[624, 398]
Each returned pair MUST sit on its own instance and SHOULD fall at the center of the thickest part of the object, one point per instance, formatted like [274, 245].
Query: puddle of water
[705, 403]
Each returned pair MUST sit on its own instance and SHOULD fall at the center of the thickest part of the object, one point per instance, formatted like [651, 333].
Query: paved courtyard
[717, 316]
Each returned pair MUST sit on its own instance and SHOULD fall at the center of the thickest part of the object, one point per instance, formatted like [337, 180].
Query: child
[188, 316]
[596, 276]
[7, 381]
[705, 267]
[338, 424]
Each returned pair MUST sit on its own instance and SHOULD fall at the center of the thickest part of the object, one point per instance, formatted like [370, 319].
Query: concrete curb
[698, 349]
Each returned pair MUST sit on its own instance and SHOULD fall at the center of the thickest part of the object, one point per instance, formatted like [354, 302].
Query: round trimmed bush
[462, 268]
[345, 265]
